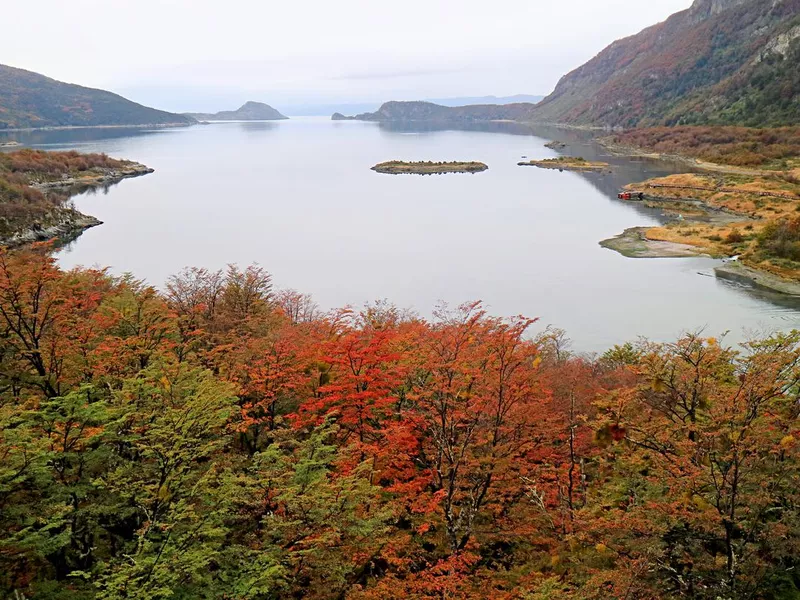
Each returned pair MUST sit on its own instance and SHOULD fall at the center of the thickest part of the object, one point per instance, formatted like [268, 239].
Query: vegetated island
[567, 163]
[398, 167]
[249, 111]
[35, 188]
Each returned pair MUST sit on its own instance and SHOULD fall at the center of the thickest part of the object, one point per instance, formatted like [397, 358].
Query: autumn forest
[226, 439]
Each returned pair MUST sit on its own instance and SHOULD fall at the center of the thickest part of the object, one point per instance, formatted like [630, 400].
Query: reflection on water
[76, 136]
[523, 240]
[256, 126]
[506, 127]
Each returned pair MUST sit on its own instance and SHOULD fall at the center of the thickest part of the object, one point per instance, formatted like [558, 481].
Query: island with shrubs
[567, 163]
[423, 167]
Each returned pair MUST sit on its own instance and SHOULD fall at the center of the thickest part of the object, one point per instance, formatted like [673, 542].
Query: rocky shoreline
[763, 280]
[71, 224]
[63, 222]
[109, 177]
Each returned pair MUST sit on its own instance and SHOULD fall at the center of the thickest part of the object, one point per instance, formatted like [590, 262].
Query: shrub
[734, 237]
[781, 238]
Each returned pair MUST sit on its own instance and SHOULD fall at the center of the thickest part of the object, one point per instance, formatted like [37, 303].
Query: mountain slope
[430, 112]
[28, 99]
[718, 62]
[249, 111]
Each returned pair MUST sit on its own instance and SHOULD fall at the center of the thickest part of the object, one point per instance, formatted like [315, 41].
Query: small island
[398, 167]
[567, 163]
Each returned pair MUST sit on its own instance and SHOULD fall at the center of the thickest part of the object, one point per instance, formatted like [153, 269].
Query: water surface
[298, 197]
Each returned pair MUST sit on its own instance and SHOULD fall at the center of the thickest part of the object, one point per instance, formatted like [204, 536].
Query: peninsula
[750, 216]
[35, 187]
[397, 167]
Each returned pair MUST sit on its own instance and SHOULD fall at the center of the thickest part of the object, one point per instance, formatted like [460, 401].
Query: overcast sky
[203, 55]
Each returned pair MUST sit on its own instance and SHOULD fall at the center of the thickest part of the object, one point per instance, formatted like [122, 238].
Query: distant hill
[436, 113]
[249, 111]
[472, 100]
[28, 99]
[365, 107]
[718, 62]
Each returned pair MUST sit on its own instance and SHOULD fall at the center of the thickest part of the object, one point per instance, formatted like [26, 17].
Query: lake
[299, 198]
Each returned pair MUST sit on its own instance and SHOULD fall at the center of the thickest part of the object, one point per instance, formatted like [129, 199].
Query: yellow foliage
[700, 502]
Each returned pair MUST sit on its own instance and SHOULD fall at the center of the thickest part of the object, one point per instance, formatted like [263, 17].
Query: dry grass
[760, 202]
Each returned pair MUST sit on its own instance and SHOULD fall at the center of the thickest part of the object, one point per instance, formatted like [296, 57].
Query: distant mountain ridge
[484, 100]
[366, 107]
[249, 111]
[435, 113]
[718, 62]
[31, 100]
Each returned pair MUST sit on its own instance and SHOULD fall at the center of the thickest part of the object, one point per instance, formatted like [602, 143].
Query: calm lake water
[299, 198]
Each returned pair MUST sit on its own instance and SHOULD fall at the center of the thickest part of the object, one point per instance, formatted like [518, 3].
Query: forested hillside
[224, 439]
[719, 62]
[31, 100]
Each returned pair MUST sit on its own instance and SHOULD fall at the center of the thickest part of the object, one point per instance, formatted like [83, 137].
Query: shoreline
[701, 165]
[111, 177]
[634, 243]
[70, 223]
[69, 127]
[757, 278]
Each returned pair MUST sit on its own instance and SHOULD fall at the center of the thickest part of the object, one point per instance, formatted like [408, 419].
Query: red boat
[630, 196]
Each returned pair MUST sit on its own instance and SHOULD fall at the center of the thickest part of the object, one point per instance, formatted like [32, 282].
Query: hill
[29, 100]
[365, 107]
[249, 111]
[730, 62]
[472, 100]
[430, 112]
